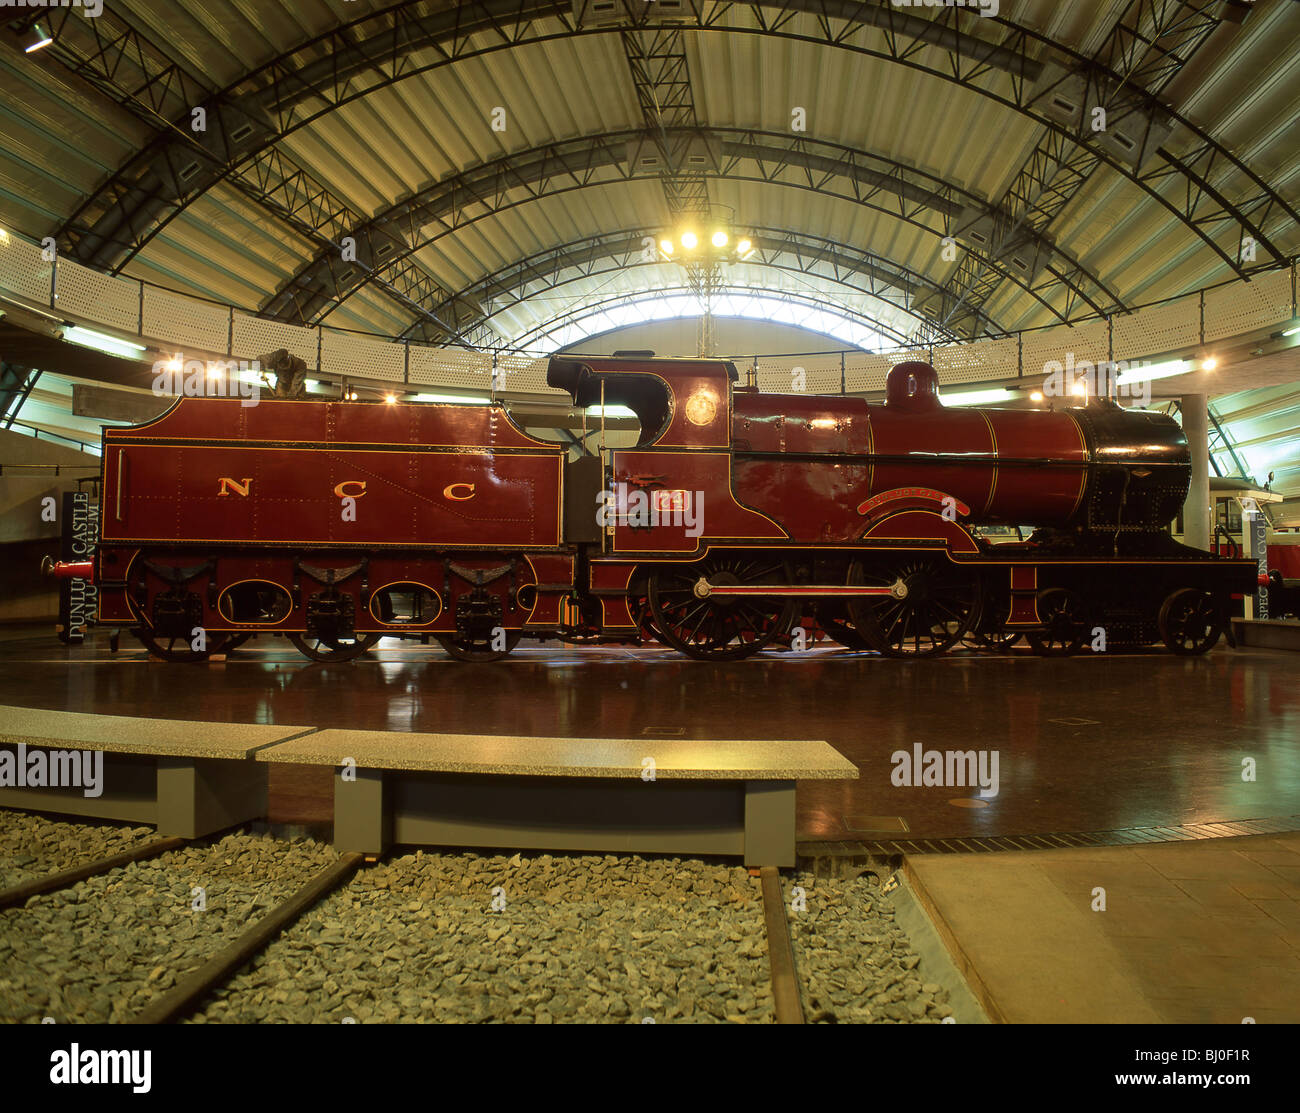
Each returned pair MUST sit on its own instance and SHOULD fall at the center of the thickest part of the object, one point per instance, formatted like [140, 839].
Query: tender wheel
[477, 649]
[933, 605]
[719, 628]
[1191, 622]
[1065, 623]
[178, 649]
[334, 649]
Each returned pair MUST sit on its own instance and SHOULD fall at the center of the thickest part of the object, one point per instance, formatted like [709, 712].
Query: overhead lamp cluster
[720, 247]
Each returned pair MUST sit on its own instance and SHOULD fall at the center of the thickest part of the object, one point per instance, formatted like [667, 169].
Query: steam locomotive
[736, 516]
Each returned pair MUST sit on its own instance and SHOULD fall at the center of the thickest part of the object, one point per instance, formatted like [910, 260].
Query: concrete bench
[187, 778]
[575, 794]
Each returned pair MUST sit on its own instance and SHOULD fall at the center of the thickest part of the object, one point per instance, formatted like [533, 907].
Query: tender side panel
[241, 493]
[286, 421]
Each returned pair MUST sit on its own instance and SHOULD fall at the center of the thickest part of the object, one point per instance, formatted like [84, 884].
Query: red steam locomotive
[734, 516]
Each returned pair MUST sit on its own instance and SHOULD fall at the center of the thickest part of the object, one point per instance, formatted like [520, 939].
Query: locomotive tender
[735, 516]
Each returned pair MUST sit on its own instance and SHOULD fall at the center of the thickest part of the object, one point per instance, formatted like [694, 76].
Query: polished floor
[1092, 743]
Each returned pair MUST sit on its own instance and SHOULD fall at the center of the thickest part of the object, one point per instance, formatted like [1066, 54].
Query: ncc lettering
[348, 489]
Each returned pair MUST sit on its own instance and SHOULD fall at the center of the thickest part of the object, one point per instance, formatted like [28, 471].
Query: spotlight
[391, 399]
[1037, 396]
[1210, 364]
[1079, 388]
[174, 364]
[719, 238]
[216, 370]
[666, 246]
[38, 39]
[689, 240]
[743, 247]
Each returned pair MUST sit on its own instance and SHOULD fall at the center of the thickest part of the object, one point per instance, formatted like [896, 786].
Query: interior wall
[732, 337]
[27, 478]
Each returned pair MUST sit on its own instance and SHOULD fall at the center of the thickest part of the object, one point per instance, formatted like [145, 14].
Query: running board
[706, 590]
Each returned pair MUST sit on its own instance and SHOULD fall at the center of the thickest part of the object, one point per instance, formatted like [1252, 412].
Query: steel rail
[64, 878]
[186, 994]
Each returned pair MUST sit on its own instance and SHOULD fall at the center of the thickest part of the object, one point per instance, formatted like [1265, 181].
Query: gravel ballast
[34, 845]
[100, 950]
[442, 937]
[578, 939]
[855, 963]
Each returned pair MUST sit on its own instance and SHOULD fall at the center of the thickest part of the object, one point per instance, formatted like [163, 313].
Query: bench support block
[753, 819]
[197, 796]
[185, 797]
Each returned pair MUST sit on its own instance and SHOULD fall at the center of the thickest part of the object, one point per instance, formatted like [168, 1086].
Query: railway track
[457, 937]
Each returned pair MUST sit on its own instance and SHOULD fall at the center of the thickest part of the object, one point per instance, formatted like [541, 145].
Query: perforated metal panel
[255, 338]
[1157, 329]
[359, 357]
[1246, 306]
[81, 292]
[23, 271]
[985, 359]
[867, 372]
[524, 373]
[1063, 345]
[183, 323]
[814, 374]
[451, 367]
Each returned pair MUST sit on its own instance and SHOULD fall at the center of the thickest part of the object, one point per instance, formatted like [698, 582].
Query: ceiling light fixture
[101, 342]
[719, 238]
[690, 240]
[39, 39]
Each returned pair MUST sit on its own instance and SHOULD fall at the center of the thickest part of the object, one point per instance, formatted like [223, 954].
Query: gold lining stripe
[1083, 470]
[993, 481]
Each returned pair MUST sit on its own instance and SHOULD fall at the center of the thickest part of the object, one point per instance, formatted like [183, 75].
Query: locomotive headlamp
[719, 238]
[690, 240]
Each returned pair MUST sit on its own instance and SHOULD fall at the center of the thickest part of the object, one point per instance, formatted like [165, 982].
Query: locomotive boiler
[735, 516]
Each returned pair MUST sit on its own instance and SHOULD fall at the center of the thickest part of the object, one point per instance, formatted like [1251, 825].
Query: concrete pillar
[1196, 510]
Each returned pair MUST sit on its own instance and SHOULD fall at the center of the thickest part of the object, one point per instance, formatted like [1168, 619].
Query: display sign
[1259, 550]
[77, 598]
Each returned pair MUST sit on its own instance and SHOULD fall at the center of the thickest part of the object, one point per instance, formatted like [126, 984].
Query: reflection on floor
[1091, 743]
